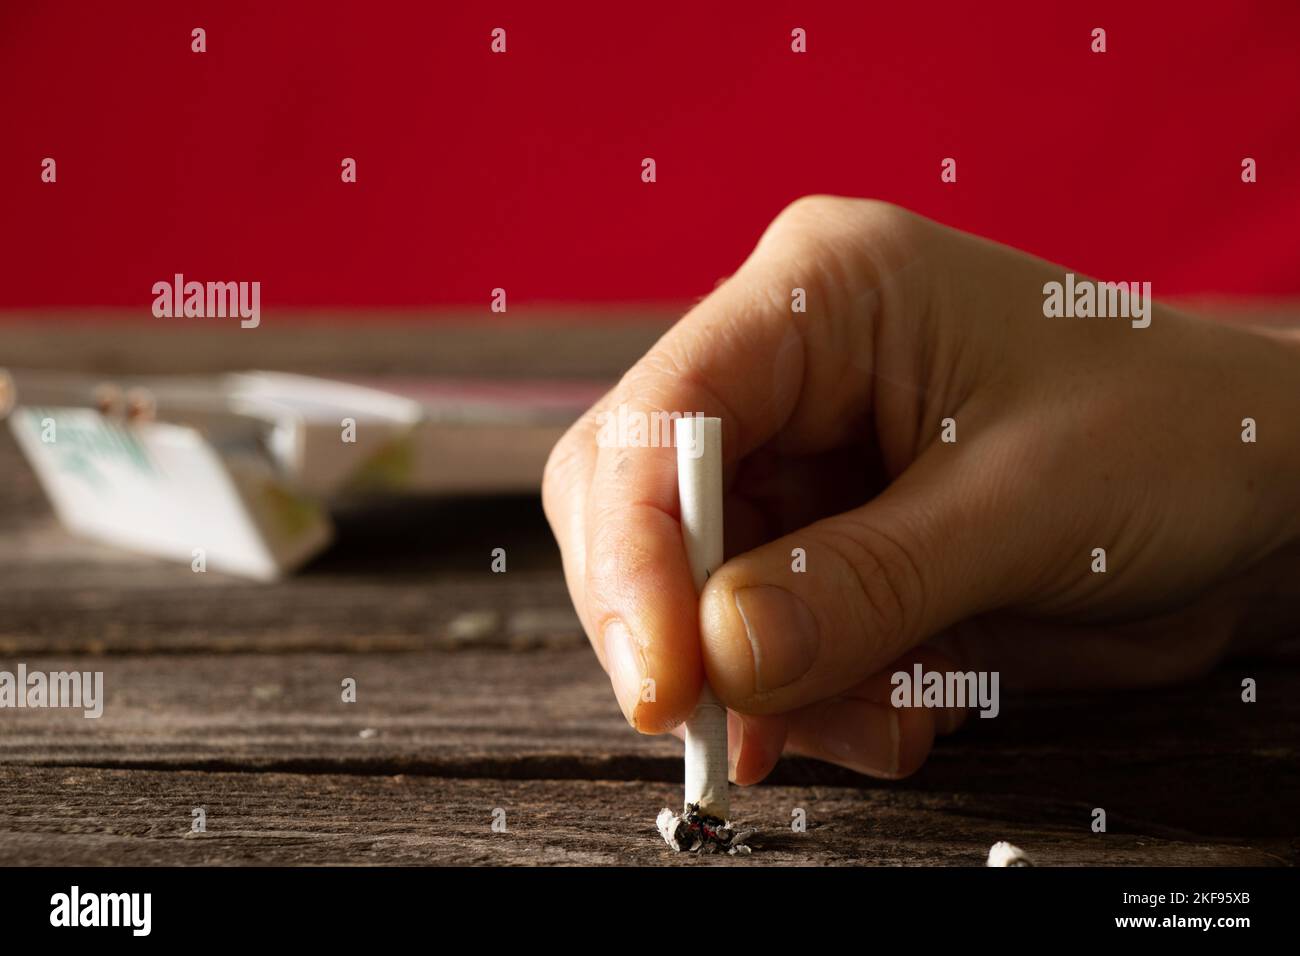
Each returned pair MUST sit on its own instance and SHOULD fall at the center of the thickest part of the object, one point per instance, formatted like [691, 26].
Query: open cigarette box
[238, 471]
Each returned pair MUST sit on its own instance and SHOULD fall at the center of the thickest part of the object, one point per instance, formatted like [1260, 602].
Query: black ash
[696, 832]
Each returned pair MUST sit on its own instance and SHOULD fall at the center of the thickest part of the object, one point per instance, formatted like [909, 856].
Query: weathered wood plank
[1192, 758]
[94, 817]
[207, 675]
[166, 609]
[418, 710]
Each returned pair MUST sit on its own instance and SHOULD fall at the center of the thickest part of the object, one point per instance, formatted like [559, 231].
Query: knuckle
[814, 206]
[820, 216]
[557, 475]
[887, 580]
[658, 368]
[850, 245]
[619, 555]
[805, 221]
[878, 214]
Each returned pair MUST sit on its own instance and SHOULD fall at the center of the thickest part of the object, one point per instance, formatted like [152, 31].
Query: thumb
[875, 582]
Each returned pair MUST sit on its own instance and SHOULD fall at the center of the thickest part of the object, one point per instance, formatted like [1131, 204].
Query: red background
[523, 171]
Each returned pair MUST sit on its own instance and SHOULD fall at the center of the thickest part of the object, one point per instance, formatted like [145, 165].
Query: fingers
[859, 730]
[642, 602]
[769, 373]
[564, 490]
[862, 731]
[755, 744]
[876, 581]
[864, 736]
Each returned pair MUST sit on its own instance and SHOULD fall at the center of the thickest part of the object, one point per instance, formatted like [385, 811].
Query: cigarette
[703, 824]
[1003, 853]
[699, 488]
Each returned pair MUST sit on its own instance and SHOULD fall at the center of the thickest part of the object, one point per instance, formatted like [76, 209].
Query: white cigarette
[699, 486]
[1003, 853]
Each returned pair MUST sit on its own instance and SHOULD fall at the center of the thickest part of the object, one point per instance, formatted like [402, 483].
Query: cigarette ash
[696, 832]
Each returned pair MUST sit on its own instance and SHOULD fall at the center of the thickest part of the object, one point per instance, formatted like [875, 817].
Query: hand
[1071, 434]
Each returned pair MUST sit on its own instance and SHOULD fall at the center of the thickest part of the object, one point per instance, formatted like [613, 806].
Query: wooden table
[477, 693]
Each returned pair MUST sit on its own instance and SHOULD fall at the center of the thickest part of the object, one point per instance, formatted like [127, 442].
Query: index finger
[769, 372]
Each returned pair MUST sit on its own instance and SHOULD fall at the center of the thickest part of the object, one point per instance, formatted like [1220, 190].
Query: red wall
[523, 170]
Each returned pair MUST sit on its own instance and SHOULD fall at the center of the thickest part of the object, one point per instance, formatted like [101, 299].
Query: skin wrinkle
[693, 379]
[896, 459]
[966, 488]
[900, 622]
[755, 657]
[848, 375]
[663, 364]
[856, 370]
[908, 624]
[862, 627]
[920, 396]
[799, 339]
[1123, 541]
[887, 284]
[947, 394]
[1003, 462]
[620, 506]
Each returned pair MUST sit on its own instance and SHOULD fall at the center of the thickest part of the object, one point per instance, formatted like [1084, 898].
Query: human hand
[1071, 434]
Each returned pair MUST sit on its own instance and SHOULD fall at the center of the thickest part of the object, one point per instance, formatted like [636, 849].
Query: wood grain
[550, 714]
[477, 690]
[80, 816]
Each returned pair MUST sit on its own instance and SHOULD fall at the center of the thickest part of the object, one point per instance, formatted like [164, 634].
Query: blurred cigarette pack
[241, 468]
